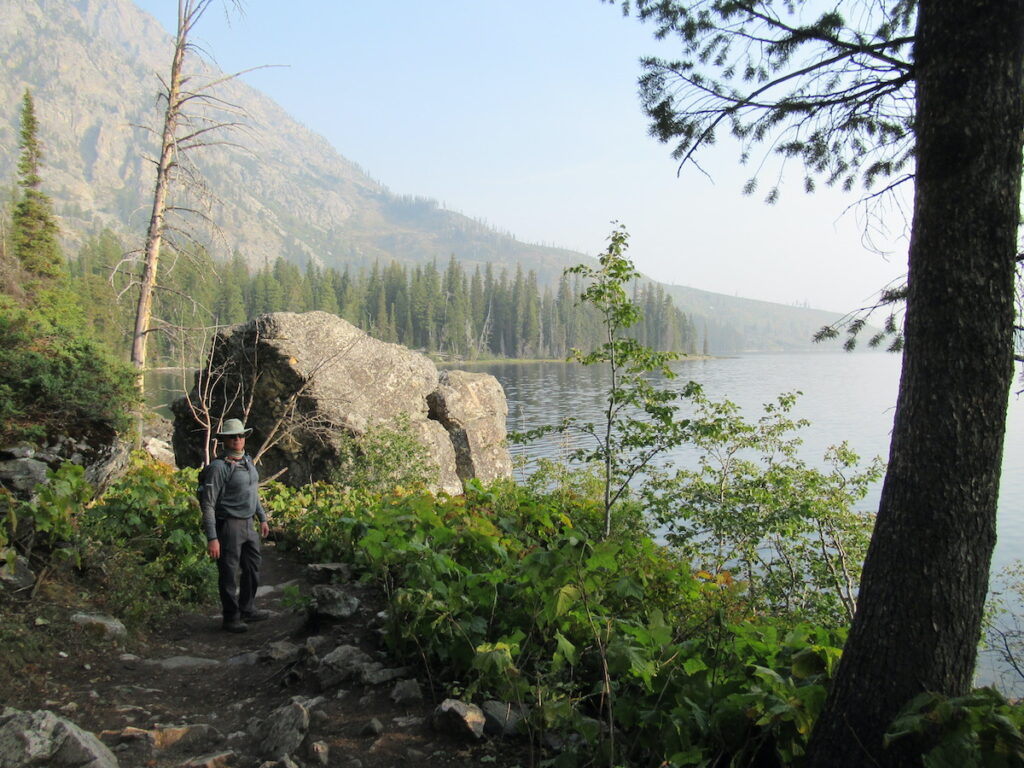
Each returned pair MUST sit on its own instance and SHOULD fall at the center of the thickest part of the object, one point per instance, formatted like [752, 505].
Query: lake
[846, 397]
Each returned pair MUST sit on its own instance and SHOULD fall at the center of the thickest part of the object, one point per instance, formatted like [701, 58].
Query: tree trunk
[164, 167]
[925, 578]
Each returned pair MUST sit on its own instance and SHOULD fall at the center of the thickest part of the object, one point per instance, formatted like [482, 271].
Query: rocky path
[289, 692]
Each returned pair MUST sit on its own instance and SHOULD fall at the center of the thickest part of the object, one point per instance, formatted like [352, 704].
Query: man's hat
[233, 428]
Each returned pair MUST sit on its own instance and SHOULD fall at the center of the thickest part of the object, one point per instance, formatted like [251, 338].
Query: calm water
[847, 397]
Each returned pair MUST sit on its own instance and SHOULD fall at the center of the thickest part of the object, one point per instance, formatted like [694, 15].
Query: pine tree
[34, 229]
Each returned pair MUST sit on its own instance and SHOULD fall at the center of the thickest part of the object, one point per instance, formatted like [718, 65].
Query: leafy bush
[386, 457]
[616, 640]
[753, 508]
[53, 377]
[146, 526]
[45, 527]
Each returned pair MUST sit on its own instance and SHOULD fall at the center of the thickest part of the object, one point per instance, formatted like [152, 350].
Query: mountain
[278, 189]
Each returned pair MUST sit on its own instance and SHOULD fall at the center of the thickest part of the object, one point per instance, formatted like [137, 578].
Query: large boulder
[309, 382]
[473, 409]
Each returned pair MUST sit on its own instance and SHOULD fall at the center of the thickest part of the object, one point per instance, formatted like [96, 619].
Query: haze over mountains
[94, 66]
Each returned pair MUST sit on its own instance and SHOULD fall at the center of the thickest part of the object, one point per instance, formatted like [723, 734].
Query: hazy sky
[524, 114]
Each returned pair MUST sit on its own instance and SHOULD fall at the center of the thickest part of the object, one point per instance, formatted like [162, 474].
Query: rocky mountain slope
[276, 189]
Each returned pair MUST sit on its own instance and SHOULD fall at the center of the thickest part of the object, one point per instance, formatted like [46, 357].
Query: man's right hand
[213, 547]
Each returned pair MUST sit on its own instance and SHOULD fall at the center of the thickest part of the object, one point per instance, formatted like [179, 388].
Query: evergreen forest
[455, 312]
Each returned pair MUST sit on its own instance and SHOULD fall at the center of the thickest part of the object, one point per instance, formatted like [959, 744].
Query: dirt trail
[125, 685]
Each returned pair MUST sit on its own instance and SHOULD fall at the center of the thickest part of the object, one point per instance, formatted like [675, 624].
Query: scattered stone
[333, 603]
[282, 732]
[415, 755]
[15, 573]
[317, 644]
[501, 718]
[106, 625]
[129, 658]
[319, 753]
[159, 449]
[373, 728]
[346, 662]
[41, 738]
[408, 721]
[281, 651]
[406, 692]
[459, 719]
[377, 673]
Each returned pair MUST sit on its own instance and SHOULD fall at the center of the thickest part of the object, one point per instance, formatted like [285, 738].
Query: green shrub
[55, 378]
[149, 521]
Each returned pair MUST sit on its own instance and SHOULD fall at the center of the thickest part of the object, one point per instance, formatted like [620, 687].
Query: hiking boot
[235, 625]
[257, 615]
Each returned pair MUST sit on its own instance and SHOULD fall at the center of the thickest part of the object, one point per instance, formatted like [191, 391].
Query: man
[229, 499]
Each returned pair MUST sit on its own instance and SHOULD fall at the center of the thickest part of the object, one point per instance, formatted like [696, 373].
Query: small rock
[282, 732]
[458, 718]
[319, 753]
[333, 603]
[501, 719]
[408, 721]
[15, 573]
[281, 651]
[373, 728]
[406, 692]
[375, 674]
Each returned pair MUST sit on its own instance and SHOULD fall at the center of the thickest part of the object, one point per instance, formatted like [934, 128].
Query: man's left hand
[264, 530]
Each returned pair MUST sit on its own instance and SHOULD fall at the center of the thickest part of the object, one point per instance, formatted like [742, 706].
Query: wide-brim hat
[233, 428]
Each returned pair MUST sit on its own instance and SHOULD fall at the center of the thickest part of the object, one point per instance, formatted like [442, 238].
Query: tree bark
[925, 578]
[165, 165]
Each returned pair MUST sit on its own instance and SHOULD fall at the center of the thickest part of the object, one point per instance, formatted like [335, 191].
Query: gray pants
[239, 554]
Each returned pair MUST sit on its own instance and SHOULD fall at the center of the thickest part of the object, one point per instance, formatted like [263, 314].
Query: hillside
[94, 68]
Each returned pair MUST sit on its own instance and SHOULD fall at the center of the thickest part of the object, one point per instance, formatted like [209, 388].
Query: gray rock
[406, 692]
[319, 753]
[473, 409]
[106, 625]
[501, 718]
[333, 603]
[159, 450]
[281, 651]
[15, 573]
[377, 673]
[346, 662]
[21, 476]
[458, 719]
[326, 380]
[282, 732]
[373, 728]
[42, 738]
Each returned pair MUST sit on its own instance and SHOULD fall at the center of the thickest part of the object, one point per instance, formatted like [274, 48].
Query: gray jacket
[230, 490]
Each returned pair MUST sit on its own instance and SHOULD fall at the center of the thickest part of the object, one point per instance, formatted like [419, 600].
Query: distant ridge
[93, 67]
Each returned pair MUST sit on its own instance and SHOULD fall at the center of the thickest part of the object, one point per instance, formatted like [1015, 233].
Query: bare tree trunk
[187, 15]
[919, 611]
